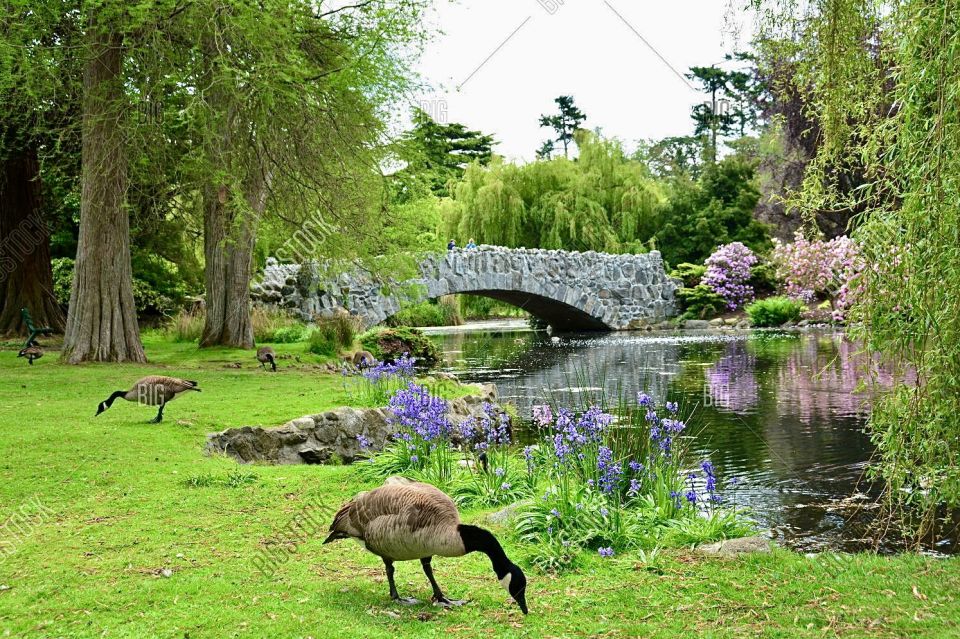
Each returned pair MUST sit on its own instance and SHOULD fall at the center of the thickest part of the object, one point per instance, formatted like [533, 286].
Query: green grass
[127, 501]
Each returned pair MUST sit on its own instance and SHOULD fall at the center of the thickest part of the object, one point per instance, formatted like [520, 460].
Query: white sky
[582, 49]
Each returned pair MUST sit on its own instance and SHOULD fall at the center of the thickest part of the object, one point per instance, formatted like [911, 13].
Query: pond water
[782, 412]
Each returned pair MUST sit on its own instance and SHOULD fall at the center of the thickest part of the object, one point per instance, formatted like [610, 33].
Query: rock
[506, 515]
[731, 321]
[743, 324]
[716, 322]
[319, 439]
[803, 322]
[739, 546]
[696, 324]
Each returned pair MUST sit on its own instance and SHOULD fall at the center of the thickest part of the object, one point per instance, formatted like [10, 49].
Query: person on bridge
[471, 244]
[452, 244]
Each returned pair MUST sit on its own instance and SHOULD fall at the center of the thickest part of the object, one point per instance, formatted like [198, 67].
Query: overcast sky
[577, 47]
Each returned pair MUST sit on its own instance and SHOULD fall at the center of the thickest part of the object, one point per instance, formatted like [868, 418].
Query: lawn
[129, 530]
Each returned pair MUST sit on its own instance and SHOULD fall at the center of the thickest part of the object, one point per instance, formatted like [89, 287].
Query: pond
[782, 412]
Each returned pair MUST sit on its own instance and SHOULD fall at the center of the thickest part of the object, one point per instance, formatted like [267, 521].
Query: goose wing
[405, 521]
[173, 385]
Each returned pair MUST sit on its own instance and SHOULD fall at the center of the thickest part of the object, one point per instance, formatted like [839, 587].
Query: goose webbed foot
[407, 601]
[443, 602]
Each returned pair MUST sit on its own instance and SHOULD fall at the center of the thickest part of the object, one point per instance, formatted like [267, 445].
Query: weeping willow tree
[885, 84]
[602, 202]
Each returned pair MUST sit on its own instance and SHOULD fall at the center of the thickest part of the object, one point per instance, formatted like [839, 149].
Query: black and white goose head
[515, 583]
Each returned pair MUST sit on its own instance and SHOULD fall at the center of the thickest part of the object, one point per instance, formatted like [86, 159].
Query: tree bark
[230, 233]
[102, 319]
[26, 279]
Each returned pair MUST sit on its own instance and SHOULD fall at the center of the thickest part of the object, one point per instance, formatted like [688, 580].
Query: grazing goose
[153, 390]
[405, 520]
[265, 355]
[31, 353]
[363, 359]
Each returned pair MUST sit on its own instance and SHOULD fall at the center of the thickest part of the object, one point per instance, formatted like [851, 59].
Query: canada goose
[363, 359]
[405, 520]
[31, 353]
[265, 355]
[153, 390]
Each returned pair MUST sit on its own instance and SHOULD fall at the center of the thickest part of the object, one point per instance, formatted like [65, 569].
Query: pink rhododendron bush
[819, 269]
[728, 274]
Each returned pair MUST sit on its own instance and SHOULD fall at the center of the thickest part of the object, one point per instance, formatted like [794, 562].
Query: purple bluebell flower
[363, 441]
[604, 512]
[505, 486]
[672, 407]
[644, 400]
[555, 513]
[636, 466]
[691, 496]
[634, 489]
[610, 470]
[499, 472]
[606, 552]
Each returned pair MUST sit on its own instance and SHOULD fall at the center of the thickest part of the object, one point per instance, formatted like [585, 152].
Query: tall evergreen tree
[565, 123]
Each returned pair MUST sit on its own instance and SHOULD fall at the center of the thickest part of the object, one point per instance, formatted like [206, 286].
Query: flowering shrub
[728, 274]
[495, 477]
[812, 269]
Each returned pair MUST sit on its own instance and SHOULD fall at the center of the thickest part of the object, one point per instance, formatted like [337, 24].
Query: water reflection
[782, 412]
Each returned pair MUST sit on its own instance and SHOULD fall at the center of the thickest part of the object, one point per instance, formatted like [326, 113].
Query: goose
[265, 355]
[153, 390]
[31, 353]
[405, 520]
[363, 359]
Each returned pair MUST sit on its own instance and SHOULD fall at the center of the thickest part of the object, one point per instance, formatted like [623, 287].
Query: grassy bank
[129, 530]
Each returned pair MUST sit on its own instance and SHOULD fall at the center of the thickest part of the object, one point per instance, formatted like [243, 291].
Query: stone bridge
[571, 291]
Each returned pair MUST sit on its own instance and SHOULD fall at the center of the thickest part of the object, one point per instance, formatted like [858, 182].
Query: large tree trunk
[102, 319]
[230, 233]
[26, 280]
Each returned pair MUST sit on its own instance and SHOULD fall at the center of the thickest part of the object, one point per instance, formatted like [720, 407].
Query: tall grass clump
[270, 320]
[186, 326]
[331, 335]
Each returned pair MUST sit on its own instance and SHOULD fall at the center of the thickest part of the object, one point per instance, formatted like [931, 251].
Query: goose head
[515, 583]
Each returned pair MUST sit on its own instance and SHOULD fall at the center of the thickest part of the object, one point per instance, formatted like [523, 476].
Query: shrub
[764, 279]
[728, 274]
[269, 320]
[291, 334]
[774, 311]
[444, 311]
[691, 274]
[375, 384]
[160, 297]
[700, 302]
[389, 344]
[812, 269]
[331, 335]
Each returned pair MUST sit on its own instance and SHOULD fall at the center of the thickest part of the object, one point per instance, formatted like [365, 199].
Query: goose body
[153, 390]
[266, 355]
[31, 353]
[363, 359]
[405, 520]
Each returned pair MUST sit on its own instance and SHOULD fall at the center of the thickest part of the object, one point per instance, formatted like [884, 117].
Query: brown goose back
[403, 521]
[265, 354]
[154, 390]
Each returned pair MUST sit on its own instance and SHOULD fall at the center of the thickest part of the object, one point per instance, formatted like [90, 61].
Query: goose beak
[522, 602]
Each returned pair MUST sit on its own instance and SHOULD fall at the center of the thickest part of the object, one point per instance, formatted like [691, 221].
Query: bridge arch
[571, 291]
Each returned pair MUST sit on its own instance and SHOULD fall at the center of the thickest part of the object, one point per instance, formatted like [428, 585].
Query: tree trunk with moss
[102, 319]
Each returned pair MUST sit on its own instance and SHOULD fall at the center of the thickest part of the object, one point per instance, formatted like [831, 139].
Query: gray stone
[739, 546]
[505, 516]
[716, 321]
[318, 439]
[606, 291]
[696, 324]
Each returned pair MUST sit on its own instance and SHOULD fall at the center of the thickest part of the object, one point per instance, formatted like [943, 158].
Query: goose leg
[409, 601]
[159, 417]
[438, 597]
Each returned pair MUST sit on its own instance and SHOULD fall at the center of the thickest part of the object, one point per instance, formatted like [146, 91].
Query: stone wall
[569, 290]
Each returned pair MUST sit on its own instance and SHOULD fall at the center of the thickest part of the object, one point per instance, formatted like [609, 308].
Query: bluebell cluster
[418, 412]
